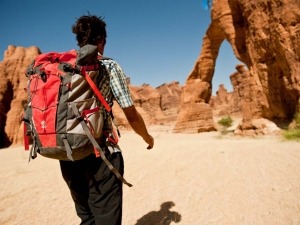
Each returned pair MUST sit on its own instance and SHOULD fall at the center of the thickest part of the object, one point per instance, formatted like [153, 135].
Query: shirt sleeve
[119, 84]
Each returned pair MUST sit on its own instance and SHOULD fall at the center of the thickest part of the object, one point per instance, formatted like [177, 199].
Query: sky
[154, 41]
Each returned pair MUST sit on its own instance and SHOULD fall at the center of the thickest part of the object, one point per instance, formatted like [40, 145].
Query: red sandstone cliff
[265, 36]
[12, 93]
[158, 106]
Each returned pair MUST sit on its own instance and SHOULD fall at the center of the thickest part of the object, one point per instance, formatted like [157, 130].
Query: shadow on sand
[162, 217]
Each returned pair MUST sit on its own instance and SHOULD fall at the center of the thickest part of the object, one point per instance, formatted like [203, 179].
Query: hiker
[95, 190]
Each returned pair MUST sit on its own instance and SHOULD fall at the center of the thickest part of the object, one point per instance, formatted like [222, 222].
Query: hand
[150, 141]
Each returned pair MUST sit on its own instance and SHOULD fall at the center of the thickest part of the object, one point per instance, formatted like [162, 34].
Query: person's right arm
[138, 125]
[122, 95]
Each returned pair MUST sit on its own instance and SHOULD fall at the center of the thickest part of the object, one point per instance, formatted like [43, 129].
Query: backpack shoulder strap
[96, 145]
[95, 89]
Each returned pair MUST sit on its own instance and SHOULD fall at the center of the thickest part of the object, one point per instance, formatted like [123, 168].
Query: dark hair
[89, 30]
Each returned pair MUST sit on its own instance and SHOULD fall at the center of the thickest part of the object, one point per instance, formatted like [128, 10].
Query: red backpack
[64, 114]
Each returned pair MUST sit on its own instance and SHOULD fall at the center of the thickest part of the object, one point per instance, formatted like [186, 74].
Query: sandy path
[199, 179]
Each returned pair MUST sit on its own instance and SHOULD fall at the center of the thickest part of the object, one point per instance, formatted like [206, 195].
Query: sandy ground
[187, 179]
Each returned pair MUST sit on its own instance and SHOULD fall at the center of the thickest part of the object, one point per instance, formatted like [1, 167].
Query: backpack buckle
[112, 137]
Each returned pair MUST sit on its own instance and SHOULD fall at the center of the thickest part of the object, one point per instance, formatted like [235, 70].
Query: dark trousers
[96, 191]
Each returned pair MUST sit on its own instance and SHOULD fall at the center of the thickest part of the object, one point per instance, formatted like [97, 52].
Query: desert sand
[187, 179]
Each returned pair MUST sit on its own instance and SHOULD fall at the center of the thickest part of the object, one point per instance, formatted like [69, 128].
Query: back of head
[89, 30]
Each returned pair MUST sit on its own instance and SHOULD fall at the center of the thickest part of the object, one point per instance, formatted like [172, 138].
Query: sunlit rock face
[265, 36]
[158, 106]
[12, 93]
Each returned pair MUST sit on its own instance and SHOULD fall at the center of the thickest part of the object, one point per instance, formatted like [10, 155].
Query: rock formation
[221, 103]
[157, 105]
[12, 93]
[265, 36]
[169, 102]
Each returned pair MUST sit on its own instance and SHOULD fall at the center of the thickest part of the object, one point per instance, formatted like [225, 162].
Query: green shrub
[226, 122]
[293, 134]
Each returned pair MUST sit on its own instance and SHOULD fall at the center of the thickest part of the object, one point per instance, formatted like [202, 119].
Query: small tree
[225, 122]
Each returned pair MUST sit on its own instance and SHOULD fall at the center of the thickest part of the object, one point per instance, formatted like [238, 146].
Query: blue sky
[155, 41]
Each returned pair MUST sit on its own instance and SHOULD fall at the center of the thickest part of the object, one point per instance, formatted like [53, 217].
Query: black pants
[96, 191]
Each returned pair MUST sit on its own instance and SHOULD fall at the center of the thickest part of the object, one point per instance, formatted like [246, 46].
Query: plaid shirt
[113, 86]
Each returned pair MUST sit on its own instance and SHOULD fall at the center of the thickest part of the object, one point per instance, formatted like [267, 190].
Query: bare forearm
[138, 125]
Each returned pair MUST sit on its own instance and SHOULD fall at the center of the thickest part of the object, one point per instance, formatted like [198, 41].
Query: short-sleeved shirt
[113, 84]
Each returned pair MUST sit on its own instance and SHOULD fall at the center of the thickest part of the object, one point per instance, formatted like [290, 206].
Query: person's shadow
[162, 217]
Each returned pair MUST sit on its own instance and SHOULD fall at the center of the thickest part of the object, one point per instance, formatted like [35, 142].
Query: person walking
[95, 190]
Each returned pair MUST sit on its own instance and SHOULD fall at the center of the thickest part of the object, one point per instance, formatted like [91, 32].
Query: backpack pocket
[91, 113]
[43, 101]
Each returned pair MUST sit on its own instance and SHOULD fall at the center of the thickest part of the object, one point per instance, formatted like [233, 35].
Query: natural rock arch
[265, 36]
